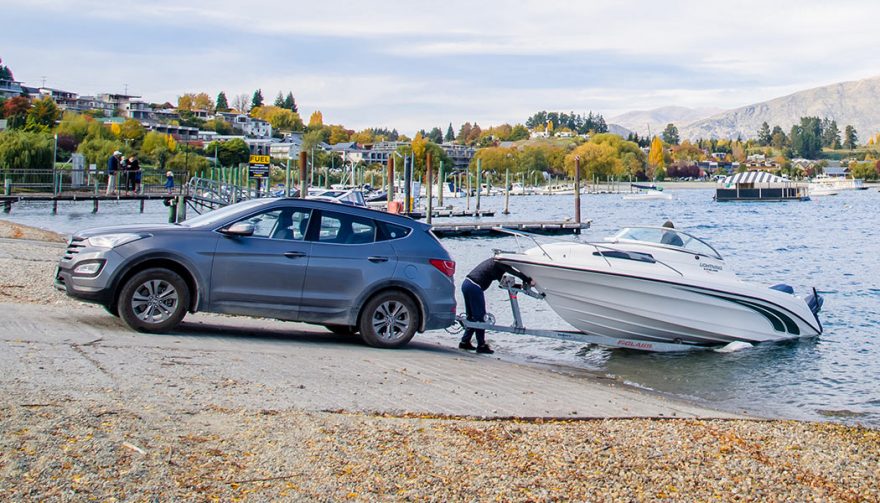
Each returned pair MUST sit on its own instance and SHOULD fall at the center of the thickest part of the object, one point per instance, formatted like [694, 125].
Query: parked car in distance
[351, 269]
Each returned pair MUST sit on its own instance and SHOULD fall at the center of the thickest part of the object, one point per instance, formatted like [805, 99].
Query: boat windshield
[667, 237]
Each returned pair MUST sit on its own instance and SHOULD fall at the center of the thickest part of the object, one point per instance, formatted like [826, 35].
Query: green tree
[230, 153]
[670, 134]
[436, 136]
[764, 135]
[806, 137]
[219, 126]
[830, 135]
[279, 100]
[158, 147]
[519, 132]
[850, 138]
[778, 139]
[131, 130]
[222, 103]
[97, 149]
[257, 100]
[5, 72]
[450, 134]
[42, 115]
[25, 150]
[290, 103]
[190, 162]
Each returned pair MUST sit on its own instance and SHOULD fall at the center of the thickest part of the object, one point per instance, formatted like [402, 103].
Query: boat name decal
[634, 344]
[711, 267]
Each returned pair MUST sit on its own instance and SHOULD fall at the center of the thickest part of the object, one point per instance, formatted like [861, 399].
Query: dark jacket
[112, 165]
[491, 270]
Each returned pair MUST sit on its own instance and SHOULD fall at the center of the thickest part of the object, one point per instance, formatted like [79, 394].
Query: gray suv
[350, 269]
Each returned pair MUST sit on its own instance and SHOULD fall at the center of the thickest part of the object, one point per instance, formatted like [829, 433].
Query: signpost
[258, 168]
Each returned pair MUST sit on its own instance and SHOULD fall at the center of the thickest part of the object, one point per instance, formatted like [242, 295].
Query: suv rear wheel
[153, 300]
[389, 320]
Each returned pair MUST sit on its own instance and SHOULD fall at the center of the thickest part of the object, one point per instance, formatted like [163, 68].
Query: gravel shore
[112, 445]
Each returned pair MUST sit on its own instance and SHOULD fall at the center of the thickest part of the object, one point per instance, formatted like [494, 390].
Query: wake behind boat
[657, 284]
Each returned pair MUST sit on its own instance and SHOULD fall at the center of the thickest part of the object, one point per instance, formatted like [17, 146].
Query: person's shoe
[484, 349]
[466, 345]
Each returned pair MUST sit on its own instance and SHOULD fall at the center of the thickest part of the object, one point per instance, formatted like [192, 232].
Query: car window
[282, 223]
[341, 228]
[392, 231]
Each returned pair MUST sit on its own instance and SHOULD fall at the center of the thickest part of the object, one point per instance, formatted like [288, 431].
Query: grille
[73, 247]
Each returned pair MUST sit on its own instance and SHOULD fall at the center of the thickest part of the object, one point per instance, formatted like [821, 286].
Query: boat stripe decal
[556, 266]
[781, 322]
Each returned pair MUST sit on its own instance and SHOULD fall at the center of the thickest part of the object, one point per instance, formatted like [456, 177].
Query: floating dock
[464, 229]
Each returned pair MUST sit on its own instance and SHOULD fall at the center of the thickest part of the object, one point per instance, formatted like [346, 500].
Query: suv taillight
[447, 267]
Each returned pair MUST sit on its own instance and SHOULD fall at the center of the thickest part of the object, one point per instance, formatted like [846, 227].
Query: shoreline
[232, 407]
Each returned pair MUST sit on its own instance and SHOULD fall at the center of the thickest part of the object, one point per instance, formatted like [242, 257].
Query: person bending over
[472, 288]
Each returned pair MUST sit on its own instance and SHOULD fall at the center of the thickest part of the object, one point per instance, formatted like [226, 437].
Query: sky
[417, 65]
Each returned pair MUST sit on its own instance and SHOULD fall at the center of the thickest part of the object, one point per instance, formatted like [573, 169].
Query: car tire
[341, 329]
[389, 320]
[153, 300]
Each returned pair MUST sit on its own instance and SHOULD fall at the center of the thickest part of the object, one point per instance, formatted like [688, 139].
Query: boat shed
[760, 186]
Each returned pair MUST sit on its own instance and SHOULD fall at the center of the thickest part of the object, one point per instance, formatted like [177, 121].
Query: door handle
[294, 254]
[376, 260]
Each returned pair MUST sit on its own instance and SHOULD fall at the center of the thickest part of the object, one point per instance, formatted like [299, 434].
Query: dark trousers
[475, 307]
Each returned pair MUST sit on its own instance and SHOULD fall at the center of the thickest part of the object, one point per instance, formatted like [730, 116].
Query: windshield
[219, 215]
[667, 237]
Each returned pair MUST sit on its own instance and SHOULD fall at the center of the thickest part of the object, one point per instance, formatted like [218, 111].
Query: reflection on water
[829, 243]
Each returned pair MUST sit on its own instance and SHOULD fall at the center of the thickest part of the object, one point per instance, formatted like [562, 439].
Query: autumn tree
[241, 103]
[42, 115]
[338, 134]
[655, 158]
[316, 120]
[132, 130]
[15, 110]
[158, 147]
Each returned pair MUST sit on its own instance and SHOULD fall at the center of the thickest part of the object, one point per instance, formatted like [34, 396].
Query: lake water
[830, 243]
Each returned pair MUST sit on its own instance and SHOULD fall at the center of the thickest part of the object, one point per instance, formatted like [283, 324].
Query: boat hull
[616, 305]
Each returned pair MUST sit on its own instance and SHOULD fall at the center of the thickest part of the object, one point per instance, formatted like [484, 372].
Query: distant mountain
[657, 119]
[619, 130]
[849, 103]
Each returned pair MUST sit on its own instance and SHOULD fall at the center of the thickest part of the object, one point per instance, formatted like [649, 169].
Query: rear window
[392, 231]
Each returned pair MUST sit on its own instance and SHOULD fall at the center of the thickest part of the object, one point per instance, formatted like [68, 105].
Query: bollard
[172, 210]
[54, 206]
[142, 205]
[95, 206]
[181, 208]
[7, 206]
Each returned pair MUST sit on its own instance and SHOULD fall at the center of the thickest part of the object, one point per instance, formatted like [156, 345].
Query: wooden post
[303, 187]
[95, 206]
[389, 194]
[507, 192]
[577, 189]
[181, 208]
[440, 183]
[479, 183]
[429, 183]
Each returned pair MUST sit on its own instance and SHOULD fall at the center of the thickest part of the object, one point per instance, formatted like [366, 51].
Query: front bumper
[96, 288]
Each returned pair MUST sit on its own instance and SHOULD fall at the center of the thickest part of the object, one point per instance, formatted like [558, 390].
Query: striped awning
[753, 177]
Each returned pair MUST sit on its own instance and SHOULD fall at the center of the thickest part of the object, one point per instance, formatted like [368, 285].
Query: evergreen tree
[279, 100]
[436, 135]
[778, 138]
[450, 134]
[831, 135]
[764, 135]
[850, 138]
[222, 103]
[806, 137]
[670, 134]
[257, 100]
[5, 72]
[290, 103]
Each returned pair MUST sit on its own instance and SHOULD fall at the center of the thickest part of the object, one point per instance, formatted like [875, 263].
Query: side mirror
[239, 229]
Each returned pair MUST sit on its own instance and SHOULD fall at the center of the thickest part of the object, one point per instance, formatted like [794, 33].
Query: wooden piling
[303, 184]
[429, 183]
[577, 189]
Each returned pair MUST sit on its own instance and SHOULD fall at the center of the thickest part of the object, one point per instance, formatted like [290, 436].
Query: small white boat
[647, 193]
[658, 284]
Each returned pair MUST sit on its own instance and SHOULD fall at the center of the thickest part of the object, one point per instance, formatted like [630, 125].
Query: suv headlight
[114, 240]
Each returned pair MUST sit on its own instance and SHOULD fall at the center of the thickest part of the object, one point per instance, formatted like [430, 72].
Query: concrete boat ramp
[83, 353]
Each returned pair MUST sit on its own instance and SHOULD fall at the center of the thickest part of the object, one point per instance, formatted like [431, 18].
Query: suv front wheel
[153, 300]
[389, 320]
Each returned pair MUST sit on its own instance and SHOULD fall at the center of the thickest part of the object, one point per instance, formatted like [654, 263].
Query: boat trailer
[513, 290]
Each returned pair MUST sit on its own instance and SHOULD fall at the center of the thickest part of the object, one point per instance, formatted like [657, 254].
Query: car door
[345, 259]
[263, 274]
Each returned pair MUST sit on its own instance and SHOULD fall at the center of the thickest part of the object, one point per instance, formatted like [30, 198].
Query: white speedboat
[647, 193]
[660, 284]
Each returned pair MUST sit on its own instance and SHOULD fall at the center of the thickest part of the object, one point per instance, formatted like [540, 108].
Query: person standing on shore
[113, 166]
[169, 182]
[472, 288]
[134, 174]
